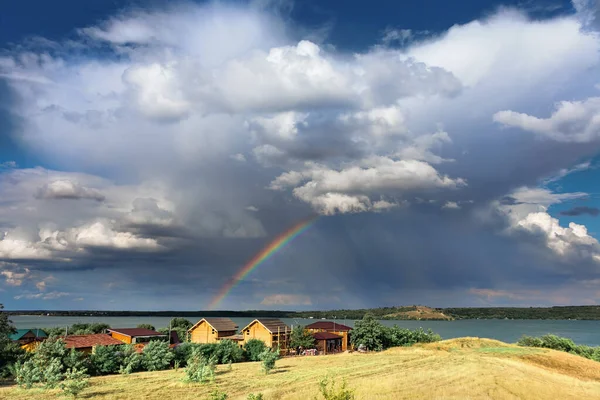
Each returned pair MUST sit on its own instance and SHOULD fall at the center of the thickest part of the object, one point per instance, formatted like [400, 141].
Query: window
[248, 332]
[213, 331]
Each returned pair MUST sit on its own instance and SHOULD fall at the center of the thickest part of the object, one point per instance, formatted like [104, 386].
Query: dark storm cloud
[581, 210]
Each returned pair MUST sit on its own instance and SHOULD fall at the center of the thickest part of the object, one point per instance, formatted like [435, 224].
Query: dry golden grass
[466, 368]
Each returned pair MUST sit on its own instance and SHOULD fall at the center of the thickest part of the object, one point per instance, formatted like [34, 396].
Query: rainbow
[277, 244]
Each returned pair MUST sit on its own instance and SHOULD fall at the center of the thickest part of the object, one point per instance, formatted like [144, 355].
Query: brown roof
[236, 338]
[219, 324]
[272, 324]
[325, 336]
[83, 341]
[133, 332]
[329, 326]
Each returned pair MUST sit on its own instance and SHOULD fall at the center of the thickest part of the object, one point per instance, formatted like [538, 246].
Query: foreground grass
[452, 369]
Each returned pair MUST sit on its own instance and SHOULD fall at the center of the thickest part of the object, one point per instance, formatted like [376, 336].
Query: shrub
[268, 358]
[253, 349]
[156, 356]
[300, 337]
[9, 356]
[146, 326]
[253, 396]
[208, 350]
[368, 332]
[131, 360]
[396, 336]
[329, 391]
[75, 381]
[218, 395]
[200, 369]
[107, 359]
[45, 367]
[182, 352]
[228, 351]
[562, 344]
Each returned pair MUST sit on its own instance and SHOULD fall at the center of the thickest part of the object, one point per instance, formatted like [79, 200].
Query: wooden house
[211, 330]
[136, 335]
[87, 343]
[25, 336]
[327, 342]
[332, 327]
[272, 331]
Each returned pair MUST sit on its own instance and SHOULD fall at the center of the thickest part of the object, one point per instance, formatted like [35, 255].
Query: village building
[272, 331]
[211, 330]
[26, 336]
[328, 343]
[87, 343]
[136, 335]
[332, 327]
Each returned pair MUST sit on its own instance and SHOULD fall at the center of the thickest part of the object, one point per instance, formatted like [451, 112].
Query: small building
[328, 343]
[87, 343]
[332, 327]
[136, 335]
[211, 330]
[25, 336]
[272, 331]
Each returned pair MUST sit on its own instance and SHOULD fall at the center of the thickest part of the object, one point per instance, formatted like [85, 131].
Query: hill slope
[466, 368]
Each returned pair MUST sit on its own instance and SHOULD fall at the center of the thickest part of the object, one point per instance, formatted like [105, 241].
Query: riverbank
[460, 368]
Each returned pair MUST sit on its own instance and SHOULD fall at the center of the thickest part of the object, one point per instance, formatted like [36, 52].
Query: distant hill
[419, 313]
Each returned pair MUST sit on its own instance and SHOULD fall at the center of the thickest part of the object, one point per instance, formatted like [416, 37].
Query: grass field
[466, 368]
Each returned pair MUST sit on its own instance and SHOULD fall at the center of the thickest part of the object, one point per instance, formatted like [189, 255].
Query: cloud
[8, 164]
[451, 205]
[65, 189]
[581, 210]
[42, 296]
[13, 278]
[286, 300]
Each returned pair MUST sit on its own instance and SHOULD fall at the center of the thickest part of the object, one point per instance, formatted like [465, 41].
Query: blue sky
[149, 149]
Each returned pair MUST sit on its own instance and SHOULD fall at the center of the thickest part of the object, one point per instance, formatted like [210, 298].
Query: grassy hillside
[452, 369]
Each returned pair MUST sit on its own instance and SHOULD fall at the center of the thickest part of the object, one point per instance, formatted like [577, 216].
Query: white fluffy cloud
[65, 189]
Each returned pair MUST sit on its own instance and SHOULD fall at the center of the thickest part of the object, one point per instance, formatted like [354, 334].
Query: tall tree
[6, 329]
[300, 337]
[368, 332]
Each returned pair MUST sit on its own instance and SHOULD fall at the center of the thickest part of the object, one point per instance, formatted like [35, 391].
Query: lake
[582, 332]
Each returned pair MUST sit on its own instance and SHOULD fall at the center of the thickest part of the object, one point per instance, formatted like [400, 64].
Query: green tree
[146, 326]
[107, 359]
[228, 351]
[131, 360]
[199, 368]
[268, 358]
[75, 381]
[45, 367]
[368, 332]
[6, 329]
[156, 356]
[301, 337]
[253, 349]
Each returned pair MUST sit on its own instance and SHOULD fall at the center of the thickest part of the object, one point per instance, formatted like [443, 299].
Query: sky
[150, 149]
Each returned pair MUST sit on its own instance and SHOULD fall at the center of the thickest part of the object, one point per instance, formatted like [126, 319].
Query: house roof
[328, 325]
[136, 332]
[84, 341]
[235, 338]
[272, 324]
[219, 324]
[325, 336]
[22, 332]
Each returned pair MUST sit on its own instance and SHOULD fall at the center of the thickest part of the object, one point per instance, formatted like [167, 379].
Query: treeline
[554, 313]
[562, 344]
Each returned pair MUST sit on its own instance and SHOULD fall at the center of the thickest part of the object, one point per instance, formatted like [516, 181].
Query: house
[25, 336]
[272, 331]
[327, 342]
[211, 330]
[87, 343]
[332, 327]
[136, 335]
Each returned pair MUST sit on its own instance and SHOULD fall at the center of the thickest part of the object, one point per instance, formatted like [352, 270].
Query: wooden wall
[258, 331]
[203, 333]
[122, 338]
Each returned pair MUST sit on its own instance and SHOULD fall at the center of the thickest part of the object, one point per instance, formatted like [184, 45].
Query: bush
[368, 332]
[75, 381]
[183, 352]
[107, 359]
[329, 391]
[397, 336]
[200, 369]
[156, 356]
[228, 351]
[9, 356]
[562, 344]
[218, 395]
[268, 358]
[253, 349]
[45, 367]
[253, 396]
[131, 360]
[146, 326]
[300, 337]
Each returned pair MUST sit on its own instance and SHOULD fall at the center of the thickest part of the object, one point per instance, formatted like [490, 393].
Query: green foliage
[131, 360]
[397, 336]
[253, 396]
[9, 355]
[368, 332]
[181, 323]
[156, 356]
[77, 360]
[45, 367]
[218, 395]
[199, 368]
[253, 349]
[562, 344]
[228, 351]
[300, 337]
[77, 329]
[107, 359]
[268, 358]
[7, 350]
[330, 392]
[146, 326]
[75, 381]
